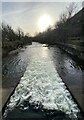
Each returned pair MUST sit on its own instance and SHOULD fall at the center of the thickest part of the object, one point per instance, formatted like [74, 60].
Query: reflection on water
[41, 92]
[71, 72]
[66, 67]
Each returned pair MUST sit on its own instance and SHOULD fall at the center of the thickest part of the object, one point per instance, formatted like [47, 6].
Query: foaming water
[42, 86]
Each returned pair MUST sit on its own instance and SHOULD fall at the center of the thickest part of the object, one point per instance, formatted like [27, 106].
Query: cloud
[14, 12]
[42, 0]
[26, 14]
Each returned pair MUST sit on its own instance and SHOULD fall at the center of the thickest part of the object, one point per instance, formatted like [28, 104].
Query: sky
[26, 15]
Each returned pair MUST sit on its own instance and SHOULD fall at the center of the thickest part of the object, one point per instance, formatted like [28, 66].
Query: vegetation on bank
[12, 40]
[68, 30]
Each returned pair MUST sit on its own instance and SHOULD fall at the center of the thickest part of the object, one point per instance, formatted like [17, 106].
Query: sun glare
[44, 22]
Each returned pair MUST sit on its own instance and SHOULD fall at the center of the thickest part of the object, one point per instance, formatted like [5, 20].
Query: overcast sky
[25, 15]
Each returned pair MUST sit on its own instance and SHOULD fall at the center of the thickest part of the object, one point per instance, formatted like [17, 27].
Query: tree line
[69, 26]
[12, 40]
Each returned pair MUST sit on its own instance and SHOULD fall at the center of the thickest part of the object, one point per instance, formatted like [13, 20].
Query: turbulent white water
[42, 84]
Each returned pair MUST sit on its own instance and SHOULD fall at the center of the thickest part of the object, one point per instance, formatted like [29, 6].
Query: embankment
[76, 51]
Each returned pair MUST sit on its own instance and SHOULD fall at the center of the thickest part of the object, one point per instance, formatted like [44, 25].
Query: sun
[44, 22]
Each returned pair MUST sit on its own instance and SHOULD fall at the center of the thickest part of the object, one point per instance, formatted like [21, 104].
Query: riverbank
[7, 47]
[12, 40]
[74, 50]
[9, 83]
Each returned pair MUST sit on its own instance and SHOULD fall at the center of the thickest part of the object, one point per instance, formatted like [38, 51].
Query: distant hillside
[70, 32]
[75, 25]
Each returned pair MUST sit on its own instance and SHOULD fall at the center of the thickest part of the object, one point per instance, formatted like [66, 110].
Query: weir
[42, 87]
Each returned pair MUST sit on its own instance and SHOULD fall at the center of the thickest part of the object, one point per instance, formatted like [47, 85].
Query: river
[41, 92]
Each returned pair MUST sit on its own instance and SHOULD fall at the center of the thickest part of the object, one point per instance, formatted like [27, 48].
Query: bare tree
[63, 17]
[20, 33]
[71, 9]
[27, 34]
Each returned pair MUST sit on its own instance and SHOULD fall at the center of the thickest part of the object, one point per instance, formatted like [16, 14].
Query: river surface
[41, 92]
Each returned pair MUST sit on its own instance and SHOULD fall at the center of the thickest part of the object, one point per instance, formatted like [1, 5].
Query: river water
[41, 92]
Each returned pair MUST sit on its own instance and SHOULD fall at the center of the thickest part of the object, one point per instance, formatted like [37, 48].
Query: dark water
[14, 67]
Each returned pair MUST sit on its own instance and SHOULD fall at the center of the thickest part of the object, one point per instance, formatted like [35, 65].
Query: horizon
[26, 15]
